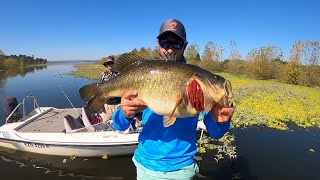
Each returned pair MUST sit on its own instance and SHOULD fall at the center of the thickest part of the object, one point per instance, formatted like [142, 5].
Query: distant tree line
[14, 61]
[301, 68]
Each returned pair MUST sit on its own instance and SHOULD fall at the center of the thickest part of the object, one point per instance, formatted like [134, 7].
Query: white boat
[64, 132]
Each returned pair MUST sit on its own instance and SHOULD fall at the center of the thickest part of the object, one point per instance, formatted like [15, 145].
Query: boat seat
[68, 124]
[86, 116]
[71, 124]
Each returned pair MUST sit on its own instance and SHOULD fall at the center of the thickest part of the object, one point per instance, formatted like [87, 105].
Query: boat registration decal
[110, 136]
[37, 145]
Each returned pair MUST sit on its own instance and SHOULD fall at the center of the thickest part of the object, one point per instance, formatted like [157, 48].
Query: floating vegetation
[73, 157]
[311, 150]
[223, 147]
[236, 176]
[274, 104]
[90, 71]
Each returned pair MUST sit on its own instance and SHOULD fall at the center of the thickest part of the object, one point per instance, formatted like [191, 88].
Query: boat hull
[43, 132]
[80, 150]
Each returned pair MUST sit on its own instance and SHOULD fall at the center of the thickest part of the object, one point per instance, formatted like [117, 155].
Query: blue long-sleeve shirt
[167, 148]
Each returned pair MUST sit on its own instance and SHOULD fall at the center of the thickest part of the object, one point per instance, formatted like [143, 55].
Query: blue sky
[91, 29]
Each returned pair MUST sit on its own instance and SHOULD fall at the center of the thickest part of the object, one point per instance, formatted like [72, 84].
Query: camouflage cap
[174, 26]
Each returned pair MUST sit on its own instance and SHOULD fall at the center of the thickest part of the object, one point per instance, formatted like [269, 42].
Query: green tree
[292, 69]
[134, 51]
[310, 58]
[235, 64]
[10, 63]
[212, 56]
[155, 52]
[1, 53]
[192, 54]
[260, 63]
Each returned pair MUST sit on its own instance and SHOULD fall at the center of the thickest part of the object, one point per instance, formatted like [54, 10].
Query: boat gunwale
[77, 144]
[34, 117]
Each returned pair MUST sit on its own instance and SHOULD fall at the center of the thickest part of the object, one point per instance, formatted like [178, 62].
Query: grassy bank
[257, 102]
[90, 71]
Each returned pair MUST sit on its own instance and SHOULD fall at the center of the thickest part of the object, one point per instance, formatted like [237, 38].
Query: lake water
[262, 153]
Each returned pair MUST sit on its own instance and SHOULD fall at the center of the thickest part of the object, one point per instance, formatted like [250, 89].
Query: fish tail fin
[90, 93]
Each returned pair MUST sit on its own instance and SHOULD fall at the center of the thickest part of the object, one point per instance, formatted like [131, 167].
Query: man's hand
[129, 106]
[222, 114]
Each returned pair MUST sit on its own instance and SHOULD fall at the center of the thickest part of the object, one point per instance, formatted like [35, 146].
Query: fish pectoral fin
[207, 109]
[168, 120]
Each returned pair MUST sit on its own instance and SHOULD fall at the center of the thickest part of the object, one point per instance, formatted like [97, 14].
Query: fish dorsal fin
[125, 60]
[169, 120]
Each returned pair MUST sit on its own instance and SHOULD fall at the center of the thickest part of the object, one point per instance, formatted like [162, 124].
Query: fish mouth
[222, 94]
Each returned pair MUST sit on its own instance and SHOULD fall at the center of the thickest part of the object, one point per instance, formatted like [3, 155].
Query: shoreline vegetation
[14, 65]
[257, 102]
[21, 61]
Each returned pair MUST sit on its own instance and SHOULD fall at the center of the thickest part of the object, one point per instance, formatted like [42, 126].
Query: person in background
[108, 73]
[112, 103]
[167, 152]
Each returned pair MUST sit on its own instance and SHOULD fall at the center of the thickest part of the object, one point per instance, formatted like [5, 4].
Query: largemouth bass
[169, 88]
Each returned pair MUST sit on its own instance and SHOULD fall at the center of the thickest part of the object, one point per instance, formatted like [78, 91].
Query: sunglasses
[108, 63]
[175, 44]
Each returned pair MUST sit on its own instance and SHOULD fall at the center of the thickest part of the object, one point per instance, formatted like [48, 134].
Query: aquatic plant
[274, 104]
[73, 157]
[223, 147]
[104, 157]
[89, 71]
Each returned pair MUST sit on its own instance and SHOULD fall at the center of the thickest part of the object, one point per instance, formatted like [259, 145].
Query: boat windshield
[103, 126]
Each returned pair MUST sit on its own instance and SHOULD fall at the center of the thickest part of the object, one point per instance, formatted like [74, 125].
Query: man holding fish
[171, 94]
[168, 152]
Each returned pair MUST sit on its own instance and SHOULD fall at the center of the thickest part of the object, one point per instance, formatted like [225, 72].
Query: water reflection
[263, 154]
[90, 168]
[5, 74]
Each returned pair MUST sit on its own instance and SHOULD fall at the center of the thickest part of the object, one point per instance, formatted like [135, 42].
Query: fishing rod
[66, 97]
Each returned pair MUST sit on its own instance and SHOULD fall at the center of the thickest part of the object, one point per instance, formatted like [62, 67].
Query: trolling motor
[9, 105]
